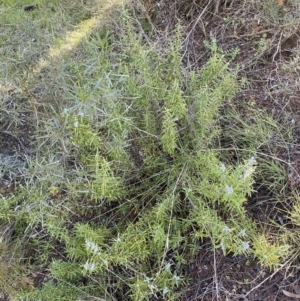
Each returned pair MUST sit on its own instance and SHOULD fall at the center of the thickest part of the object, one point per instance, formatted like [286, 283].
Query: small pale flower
[117, 240]
[105, 261]
[168, 266]
[226, 229]
[89, 266]
[228, 189]
[188, 190]
[176, 278]
[252, 160]
[248, 172]
[243, 232]
[245, 246]
[81, 114]
[165, 291]
[86, 266]
[222, 246]
[223, 167]
[90, 245]
[76, 124]
[147, 279]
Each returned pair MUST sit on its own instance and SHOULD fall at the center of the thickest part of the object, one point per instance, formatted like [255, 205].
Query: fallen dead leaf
[291, 294]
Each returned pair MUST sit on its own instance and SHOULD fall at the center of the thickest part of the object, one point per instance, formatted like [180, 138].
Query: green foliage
[171, 118]
[53, 292]
[13, 272]
[129, 174]
[269, 253]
